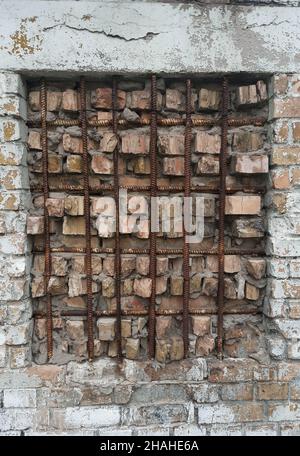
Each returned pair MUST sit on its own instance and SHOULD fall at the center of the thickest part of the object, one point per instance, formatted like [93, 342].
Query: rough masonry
[239, 395]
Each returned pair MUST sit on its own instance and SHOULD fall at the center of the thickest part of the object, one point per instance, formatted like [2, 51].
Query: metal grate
[87, 190]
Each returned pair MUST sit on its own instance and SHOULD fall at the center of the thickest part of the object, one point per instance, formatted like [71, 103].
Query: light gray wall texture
[206, 396]
[145, 36]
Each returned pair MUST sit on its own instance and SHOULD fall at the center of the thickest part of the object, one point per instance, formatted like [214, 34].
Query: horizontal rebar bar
[146, 188]
[164, 122]
[109, 250]
[107, 313]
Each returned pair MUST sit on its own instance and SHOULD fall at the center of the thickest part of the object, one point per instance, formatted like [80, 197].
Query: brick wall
[196, 396]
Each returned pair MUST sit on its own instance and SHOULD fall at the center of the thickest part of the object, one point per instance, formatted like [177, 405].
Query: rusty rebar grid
[195, 252]
[222, 196]
[117, 222]
[163, 122]
[47, 271]
[153, 194]
[88, 250]
[187, 193]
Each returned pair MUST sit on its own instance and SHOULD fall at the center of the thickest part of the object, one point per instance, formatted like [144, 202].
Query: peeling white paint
[140, 37]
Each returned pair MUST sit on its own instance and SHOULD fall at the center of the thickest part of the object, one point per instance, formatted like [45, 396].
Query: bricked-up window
[149, 136]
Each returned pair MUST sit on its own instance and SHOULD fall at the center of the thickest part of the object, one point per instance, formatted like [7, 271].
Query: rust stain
[9, 130]
[21, 43]
[9, 107]
[87, 17]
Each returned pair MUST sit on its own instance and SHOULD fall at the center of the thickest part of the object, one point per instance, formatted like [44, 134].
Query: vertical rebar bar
[117, 221]
[153, 194]
[222, 197]
[187, 192]
[88, 254]
[47, 272]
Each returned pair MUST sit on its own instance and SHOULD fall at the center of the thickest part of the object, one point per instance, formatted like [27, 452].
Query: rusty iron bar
[136, 313]
[109, 250]
[187, 193]
[117, 222]
[164, 122]
[153, 194]
[221, 240]
[146, 188]
[88, 250]
[47, 272]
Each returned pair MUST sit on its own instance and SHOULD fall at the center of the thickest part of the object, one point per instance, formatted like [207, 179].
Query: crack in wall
[147, 36]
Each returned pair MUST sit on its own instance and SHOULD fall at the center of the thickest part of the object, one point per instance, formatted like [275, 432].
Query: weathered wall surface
[209, 397]
[147, 37]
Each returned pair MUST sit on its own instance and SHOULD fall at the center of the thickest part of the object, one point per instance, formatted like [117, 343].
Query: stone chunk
[252, 292]
[74, 205]
[251, 164]
[106, 328]
[207, 143]
[256, 267]
[246, 141]
[34, 100]
[59, 265]
[101, 98]
[209, 99]
[171, 144]
[75, 329]
[141, 165]
[210, 286]
[70, 100]
[108, 287]
[251, 94]
[72, 144]
[176, 286]
[132, 348]
[55, 207]
[175, 100]
[208, 164]
[141, 99]
[205, 345]
[34, 140]
[242, 205]
[73, 164]
[173, 166]
[251, 228]
[54, 99]
[57, 286]
[35, 224]
[133, 143]
[126, 327]
[142, 265]
[232, 264]
[102, 165]
[74, 226]
[37, 287]
[143, 287]
[201, 325]
[176, 348]
[163, 326]
[108, 142]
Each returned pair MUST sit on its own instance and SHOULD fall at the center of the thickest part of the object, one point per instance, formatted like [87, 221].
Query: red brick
[102, 165]
[287, 107]
[133, 143]
[173, 166]
[102, 98]
[240, 204]
[251, 164]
